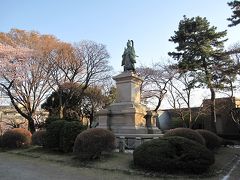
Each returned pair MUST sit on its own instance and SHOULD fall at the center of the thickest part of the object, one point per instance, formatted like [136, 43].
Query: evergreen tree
[201, 51]
[235, 18]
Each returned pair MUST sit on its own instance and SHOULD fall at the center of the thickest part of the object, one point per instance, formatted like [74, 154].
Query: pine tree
[201, 51]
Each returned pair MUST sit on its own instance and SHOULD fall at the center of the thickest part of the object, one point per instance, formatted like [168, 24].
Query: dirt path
[23, 168]
[234, 172]
[19, 167]
[13, 166]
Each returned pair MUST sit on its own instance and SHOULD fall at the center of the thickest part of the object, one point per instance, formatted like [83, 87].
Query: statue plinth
[127, 115]
[128, 87]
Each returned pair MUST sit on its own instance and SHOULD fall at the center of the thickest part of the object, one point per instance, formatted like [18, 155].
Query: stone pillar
[122, 144]
[128, 87]
[151, 117]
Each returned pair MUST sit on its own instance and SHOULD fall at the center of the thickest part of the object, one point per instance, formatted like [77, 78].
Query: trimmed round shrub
[16, 138]
[212, 140]
[92, 142]
[186, 133]
[53, 134]
[173, 154]
[39, 138]
[68, 134]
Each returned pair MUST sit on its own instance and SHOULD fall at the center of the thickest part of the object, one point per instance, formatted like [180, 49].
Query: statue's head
[129, 43]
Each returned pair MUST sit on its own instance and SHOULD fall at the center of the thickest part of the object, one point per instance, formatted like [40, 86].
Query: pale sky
[150, 23]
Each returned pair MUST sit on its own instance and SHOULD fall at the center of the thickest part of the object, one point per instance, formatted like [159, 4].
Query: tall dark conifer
[200, 50]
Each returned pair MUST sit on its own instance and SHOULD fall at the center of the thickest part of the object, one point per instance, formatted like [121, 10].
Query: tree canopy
[24, 74]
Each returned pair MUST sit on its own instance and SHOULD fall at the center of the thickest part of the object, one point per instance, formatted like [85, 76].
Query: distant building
[10, 118]
[225, 125]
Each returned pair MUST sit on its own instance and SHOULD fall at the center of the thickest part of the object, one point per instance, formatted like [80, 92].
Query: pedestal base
[125, 118]
[127, 115]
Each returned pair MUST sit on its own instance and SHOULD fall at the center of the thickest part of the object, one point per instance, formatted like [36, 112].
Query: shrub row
[212, 140]
[63, 135]
[204, 137]
[187, 133]
[181, 149]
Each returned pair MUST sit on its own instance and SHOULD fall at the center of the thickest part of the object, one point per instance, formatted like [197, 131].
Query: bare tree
[154, 86]
[180, 90]
[85, 64]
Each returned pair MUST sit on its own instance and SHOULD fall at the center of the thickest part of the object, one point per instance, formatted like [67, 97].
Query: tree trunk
[213, 111]
[60, 104]
[160, 99]
[190, 118]
[213, 118]
[28, 116]
[31, 125]
[158, 105]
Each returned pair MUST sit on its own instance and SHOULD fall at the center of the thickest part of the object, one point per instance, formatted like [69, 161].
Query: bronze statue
[128, 57]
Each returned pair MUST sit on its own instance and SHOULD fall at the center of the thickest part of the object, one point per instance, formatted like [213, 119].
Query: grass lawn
[225, 157]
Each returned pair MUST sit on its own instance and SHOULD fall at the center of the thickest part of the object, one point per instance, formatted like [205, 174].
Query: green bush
[186, 133]
[212, 140]
[92, 142]
[16, 138]
[53, 134]
[61, 134]
[51, 119]
[68, 134]
[39, 138]
[173, 154]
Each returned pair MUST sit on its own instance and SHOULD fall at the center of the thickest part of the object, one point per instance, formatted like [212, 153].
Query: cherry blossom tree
[34, 65]
[24, 72]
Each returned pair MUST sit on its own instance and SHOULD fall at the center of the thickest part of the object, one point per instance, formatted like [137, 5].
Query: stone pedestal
[127, 115]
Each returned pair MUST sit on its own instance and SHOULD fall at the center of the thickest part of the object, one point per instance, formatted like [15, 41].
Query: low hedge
[173, 154]
[187, 133]
[16, 138]
[212, 140]
[92, 142]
